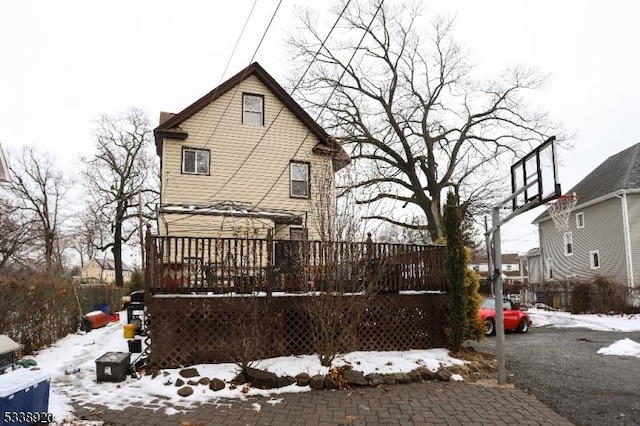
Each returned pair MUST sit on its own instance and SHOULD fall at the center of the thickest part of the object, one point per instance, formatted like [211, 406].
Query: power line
[283, 105]
[277, 115]
[344, 71]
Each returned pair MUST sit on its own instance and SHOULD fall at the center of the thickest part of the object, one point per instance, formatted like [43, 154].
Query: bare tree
[39, 189]
[16, 235]
[406, 107]
[122, 168]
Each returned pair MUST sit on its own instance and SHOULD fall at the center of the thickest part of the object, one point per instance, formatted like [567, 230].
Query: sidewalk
[427, 403]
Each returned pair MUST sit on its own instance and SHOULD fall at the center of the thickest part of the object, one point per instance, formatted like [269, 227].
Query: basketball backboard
[534, 178]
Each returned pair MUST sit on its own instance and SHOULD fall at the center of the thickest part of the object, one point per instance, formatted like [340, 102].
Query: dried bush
[36, 310]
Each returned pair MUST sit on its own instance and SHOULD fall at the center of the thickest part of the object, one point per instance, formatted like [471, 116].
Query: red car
[514, 317]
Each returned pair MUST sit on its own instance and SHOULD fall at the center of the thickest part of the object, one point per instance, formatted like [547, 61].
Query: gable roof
[618, 172]
[170, 123]
[4, 170]
[109, 265]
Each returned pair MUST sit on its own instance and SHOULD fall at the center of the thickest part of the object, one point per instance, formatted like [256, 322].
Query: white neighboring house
[513, 267]
[603, 239]
[103, 270]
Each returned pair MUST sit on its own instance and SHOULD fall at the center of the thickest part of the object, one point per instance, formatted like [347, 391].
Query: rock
[317, 382]
[402, 378]
[375, 379]
[262, 379]
[216, 385]
[303, 379]
[414, 376]
[354, 377]
[204, 381]
[389, 379]
[443, 375]
[185, 391]
[330, 383]
[285, 381]
[192, 382]
[188, 373]
[426, 374]
[179, 382]
[240, 379]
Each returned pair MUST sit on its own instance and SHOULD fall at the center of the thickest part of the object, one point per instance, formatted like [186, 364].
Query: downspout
[627, 236]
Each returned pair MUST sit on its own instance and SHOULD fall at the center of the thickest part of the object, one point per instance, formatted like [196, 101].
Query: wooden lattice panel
[186, 330]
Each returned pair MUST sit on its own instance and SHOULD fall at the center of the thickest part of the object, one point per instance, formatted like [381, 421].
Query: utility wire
[275, 118]
[344, 71]
[284, 105]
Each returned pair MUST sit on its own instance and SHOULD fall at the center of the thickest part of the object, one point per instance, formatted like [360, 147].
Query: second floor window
[568, 243]
[299, 174]
[580, 220]
[252, 109]
[195, 161]
[594, 257]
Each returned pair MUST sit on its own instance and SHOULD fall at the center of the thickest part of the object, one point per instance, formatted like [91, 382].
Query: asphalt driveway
[562, 368]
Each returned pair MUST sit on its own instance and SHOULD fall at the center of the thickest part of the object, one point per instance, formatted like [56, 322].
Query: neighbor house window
[476, 268]
[299, 175]
[568, 243]
[594, 257]
[579, 220]
[550, 268]
[195, 161]
[252, 109]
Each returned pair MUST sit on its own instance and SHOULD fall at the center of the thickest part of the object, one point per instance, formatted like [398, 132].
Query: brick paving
[426, 403]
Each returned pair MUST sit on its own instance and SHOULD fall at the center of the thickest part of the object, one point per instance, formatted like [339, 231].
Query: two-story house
[103, 270]
[514, 269]
[243, 159]
[603, 239]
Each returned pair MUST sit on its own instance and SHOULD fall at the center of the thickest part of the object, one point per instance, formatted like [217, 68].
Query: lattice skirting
[189, 329]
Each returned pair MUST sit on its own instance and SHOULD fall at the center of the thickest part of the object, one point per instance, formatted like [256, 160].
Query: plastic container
[94, 319]
[25, 391]
[135, 346]
[129, 331]
[104, 307]
[113, 366]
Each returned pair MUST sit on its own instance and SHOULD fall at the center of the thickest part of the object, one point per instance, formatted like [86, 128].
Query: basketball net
[560, 210]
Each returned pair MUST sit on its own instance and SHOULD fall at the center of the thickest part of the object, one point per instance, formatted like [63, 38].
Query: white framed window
[195, 161]
[579, 220]
[508, 267]
[299, 177]
[549, 268]
[594, 259]
[476, 268]
[568, 243]
[252, 109]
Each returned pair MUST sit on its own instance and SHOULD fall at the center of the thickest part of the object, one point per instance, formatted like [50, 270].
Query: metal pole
[497, 276]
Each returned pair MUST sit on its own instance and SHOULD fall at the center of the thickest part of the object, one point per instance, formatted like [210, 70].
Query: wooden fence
[202, 293]
[178, 265]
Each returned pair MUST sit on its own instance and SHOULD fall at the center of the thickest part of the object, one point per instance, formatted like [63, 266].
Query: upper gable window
[299, 176]
[252, 109]
[195, 161]
[580, 220]
[568, 243]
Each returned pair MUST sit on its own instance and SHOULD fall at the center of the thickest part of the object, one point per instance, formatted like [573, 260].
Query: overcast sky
[63, 63]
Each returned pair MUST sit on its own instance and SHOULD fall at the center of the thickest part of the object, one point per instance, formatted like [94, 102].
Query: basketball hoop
[560, 210]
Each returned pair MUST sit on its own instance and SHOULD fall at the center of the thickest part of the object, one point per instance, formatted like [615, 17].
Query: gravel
[562, 368]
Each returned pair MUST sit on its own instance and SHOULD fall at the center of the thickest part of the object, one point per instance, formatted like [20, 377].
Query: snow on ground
[81, 350]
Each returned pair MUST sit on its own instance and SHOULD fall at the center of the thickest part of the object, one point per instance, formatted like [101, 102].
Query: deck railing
[177, 265]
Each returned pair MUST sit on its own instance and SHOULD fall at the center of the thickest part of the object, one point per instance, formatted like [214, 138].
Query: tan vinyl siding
[219, 128]
[603, 231]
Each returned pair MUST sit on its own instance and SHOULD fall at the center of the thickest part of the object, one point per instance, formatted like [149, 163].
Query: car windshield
[490, 303]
